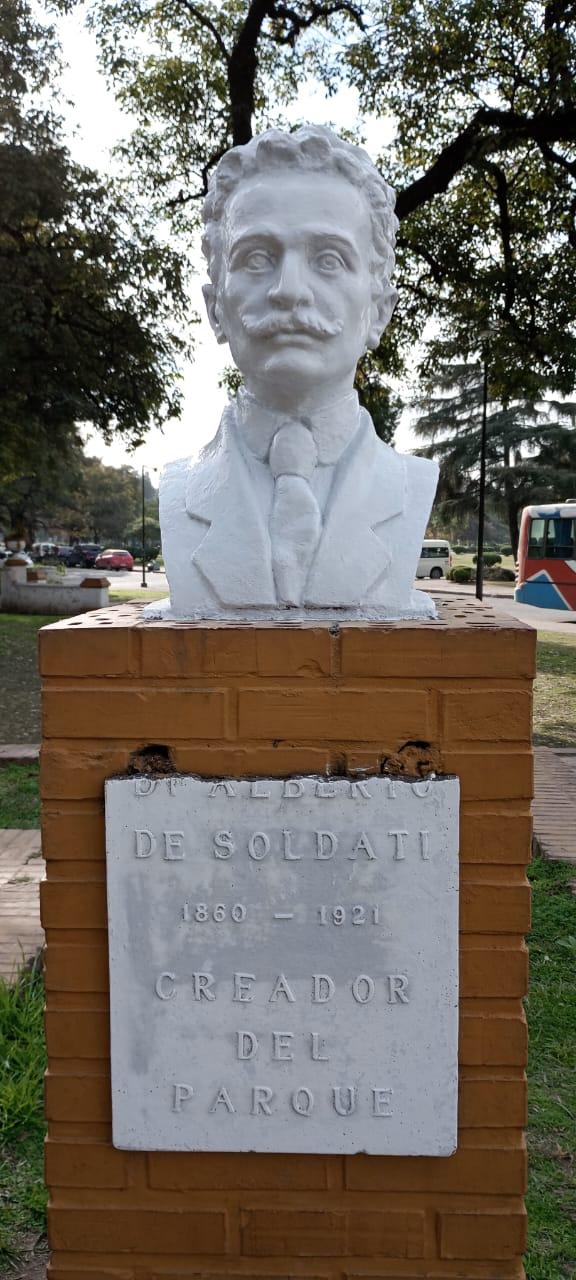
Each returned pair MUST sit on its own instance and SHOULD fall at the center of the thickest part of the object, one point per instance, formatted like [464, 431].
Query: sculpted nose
[291, 286]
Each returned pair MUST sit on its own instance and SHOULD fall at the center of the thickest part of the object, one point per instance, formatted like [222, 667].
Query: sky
[94, 123]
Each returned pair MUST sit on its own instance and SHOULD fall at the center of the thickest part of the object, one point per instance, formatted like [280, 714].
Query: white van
[435, 560]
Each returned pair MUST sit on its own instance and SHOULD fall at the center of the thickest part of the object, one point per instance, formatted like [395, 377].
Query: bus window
[536, 539]
[560, 538]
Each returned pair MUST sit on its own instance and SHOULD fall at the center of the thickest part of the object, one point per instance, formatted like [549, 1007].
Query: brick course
[244, 701]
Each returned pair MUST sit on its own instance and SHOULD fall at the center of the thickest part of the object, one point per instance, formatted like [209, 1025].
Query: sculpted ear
[382, 308]
[211, 300]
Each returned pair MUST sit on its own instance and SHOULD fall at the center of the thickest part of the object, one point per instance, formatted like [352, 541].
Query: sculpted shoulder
[176, 474]
[420, 475]
[173, 487]
[422, 472]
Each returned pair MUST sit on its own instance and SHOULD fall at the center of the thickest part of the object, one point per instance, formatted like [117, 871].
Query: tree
[383, 406]
[484, 158]
[111, 500]
[48, 494]
[89, 296]
[530, 455]
[153, 536]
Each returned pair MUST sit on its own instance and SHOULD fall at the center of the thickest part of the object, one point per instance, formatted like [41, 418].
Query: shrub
[460, 551]
[506, 551]
[489, 558]
[497, 573]
[460, 573]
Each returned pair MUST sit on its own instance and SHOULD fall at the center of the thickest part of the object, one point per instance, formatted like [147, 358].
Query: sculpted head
[299, 240]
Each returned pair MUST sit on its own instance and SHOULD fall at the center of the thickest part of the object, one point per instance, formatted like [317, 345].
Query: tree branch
[204, 21]
[317, 13]
[554, 156]
[506, 234]
[423, 252]
[243, 59]
[489, 130]
[186, 197]
[242, 70]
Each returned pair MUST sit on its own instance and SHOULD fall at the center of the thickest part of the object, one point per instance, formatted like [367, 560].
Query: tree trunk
[242, 71]
[512, 510]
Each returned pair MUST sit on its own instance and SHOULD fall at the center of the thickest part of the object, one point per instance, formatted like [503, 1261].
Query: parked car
[44, 552]
[114, 559]
[435, 558]
[83, 555]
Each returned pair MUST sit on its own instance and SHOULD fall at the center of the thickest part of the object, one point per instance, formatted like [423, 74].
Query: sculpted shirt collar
[332, 427]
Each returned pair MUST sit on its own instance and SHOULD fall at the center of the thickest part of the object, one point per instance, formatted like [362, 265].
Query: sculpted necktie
[295, 522]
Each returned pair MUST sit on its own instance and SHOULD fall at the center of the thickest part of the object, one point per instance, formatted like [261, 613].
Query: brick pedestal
[264, 700]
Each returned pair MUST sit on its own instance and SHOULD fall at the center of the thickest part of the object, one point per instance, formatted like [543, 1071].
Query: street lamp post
[143, 582]
[482, 499]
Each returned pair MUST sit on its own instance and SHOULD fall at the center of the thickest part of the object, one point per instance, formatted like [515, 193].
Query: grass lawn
[22, 1065]
[19, 680]
[507, 562]
[555, 690]
[19, 798]
[121, 596]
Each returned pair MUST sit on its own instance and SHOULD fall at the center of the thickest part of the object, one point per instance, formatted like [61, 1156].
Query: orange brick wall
[274, 701]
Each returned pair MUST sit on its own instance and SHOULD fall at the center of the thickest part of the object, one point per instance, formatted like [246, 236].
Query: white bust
[296, 508]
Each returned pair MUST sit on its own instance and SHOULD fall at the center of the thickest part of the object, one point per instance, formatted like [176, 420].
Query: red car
[114, 560]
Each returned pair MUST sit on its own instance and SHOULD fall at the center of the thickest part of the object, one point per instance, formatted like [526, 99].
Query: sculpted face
[296, 301]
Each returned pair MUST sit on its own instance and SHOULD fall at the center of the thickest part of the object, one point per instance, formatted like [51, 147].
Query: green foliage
[489, 558]
[383, 406]
[110, 498]
[22, 1066]
[19, 798]
[485, 103]
[231, 380]
[47, 492]
[22, 1056]
[90, 501]
[89, 295]
[153, 536]
[460, 573]
[506, 550]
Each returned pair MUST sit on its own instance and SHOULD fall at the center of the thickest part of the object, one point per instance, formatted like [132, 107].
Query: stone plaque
[284, 964]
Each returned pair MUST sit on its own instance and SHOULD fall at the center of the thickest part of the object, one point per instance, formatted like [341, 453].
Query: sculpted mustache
[298, 322]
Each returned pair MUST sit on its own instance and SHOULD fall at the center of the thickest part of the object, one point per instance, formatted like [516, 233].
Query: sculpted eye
[329, 261]
[258, 260]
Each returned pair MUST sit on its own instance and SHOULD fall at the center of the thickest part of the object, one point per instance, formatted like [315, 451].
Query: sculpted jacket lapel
[369, 489]
[234, 555]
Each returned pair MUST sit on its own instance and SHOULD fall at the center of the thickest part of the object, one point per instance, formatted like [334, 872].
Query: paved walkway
[555, 802]
[21, 870]
[19, 753]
